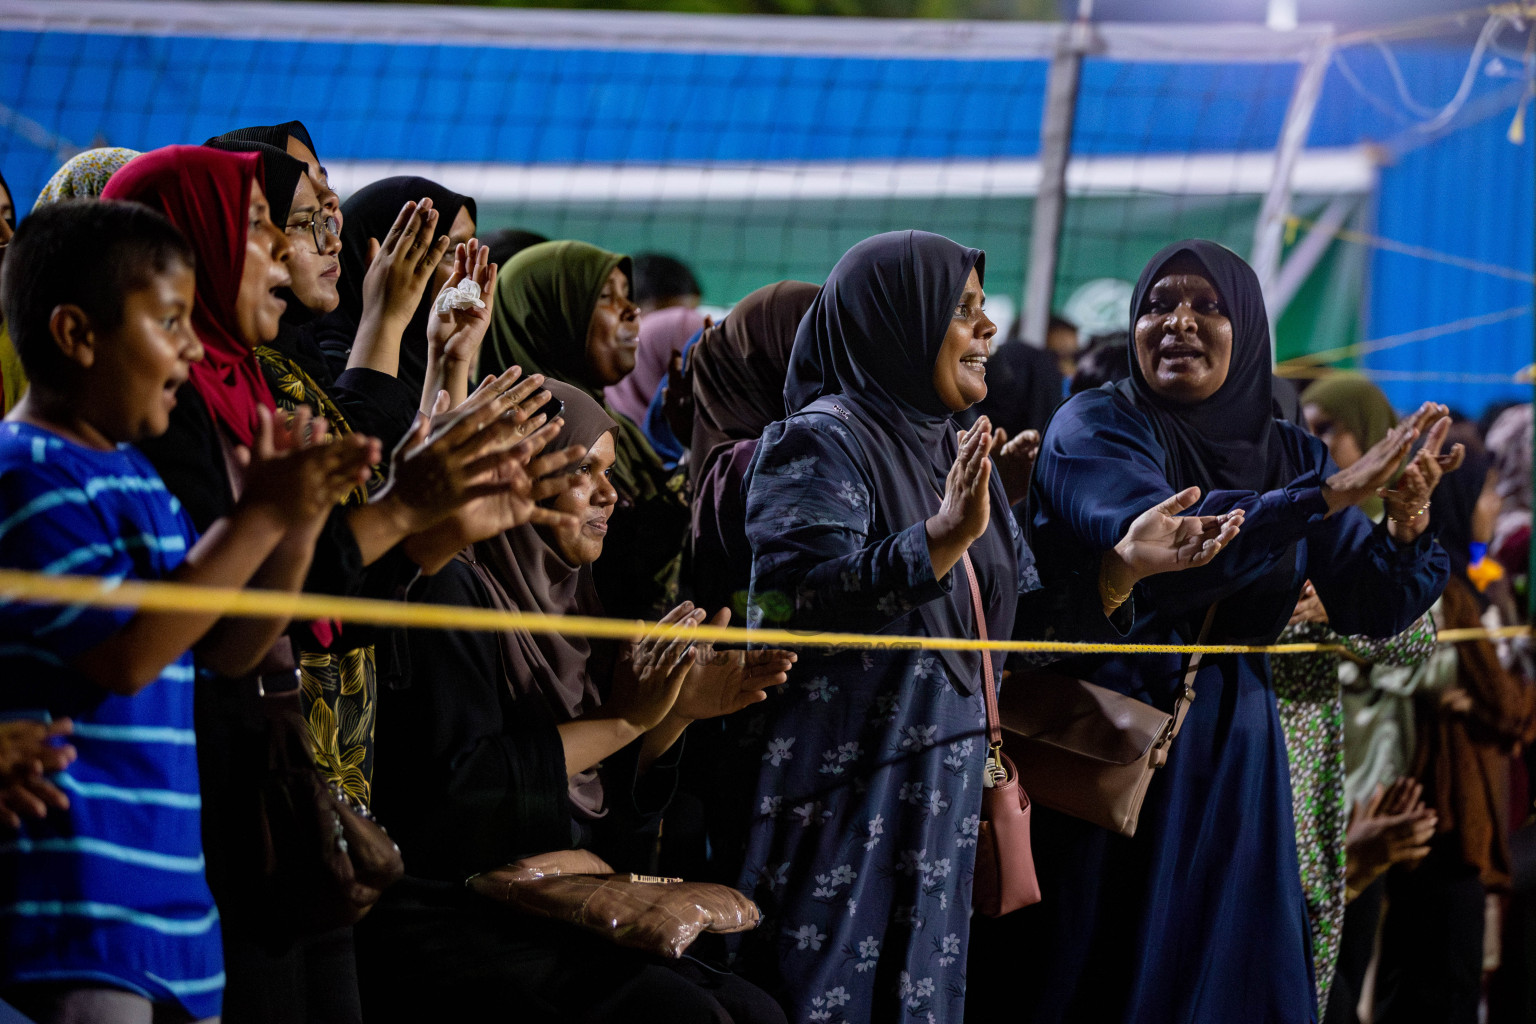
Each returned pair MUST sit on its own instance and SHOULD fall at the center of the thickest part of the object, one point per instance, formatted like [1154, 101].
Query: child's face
[258, 310]
[142, 362]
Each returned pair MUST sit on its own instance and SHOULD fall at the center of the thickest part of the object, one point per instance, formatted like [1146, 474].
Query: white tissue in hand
[464, 295]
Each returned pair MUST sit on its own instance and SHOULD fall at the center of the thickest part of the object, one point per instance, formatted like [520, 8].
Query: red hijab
[207, 193]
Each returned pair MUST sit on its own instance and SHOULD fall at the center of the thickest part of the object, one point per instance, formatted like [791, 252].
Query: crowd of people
[218, 372]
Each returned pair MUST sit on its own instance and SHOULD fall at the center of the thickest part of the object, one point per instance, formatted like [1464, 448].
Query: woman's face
[315, 271]
[459, 232]
[1343, 446]
[319, 178]
[613, 334]
[1184, 339]
[960, 372]
[590, 499]
[258, 310]
[7, 206]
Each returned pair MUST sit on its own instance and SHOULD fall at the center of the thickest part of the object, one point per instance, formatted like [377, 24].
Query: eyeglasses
[321, 226]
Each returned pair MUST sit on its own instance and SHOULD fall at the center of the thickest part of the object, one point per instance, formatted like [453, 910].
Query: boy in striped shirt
[105, 914]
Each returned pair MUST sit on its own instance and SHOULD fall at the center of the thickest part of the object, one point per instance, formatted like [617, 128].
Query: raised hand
[462, 313]
[1015, 461]
[452, 457]
[1162, 540]
[1407, 502]
[28, 752]
[522, 483]
[659, 663]
[400, 267]
[1376, 468]
[966, 507]
[298, 471]
[724, 682]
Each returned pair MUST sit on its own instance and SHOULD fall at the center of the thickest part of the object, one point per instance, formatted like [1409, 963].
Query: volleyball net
[1382, 184]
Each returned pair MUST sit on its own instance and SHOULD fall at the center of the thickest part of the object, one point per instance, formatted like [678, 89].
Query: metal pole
[1051, 201]
[1269, 232]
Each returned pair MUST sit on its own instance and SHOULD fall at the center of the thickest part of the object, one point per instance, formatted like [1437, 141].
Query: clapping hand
[299, 471]
[28, 752]
[1015, 461]
[724, 682]
[1309, 607]
[1162, 540]
[966, 508]
[659, 662]
[1407, 502]
[1391, 827]
[400, 266]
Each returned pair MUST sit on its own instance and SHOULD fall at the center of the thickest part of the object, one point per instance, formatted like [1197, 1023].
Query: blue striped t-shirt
[111, 891]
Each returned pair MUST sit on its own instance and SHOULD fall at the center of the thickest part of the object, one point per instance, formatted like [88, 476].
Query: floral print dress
[1310, 700]
[863, 843]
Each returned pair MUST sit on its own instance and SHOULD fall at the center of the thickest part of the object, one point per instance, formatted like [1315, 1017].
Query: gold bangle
[1107, 593]
[1403, 522]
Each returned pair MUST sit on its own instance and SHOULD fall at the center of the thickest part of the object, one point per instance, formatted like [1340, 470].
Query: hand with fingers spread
[1375, 469]
[1407, 501]
[966, 507]
[451, 458]
[658, 664]
[401, 266]
[1392, 826]
[1162, 540]
[29, 751]
[299, 472]
[724, 682]
[1015, 461]
[460, 317]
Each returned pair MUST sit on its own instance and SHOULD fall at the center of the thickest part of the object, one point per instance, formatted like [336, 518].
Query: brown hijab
[523, 571]
[738, 368]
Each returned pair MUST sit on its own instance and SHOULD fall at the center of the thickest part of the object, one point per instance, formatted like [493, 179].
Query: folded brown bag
[1087, 750]
[655, 915]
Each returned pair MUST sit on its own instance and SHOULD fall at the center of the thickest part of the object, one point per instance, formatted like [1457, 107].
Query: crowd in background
[216, 371]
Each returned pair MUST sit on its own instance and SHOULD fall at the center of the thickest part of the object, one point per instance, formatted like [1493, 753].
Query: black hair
[1061, 323]
[658, 277]
[508, 242]
[84, 252]
[1106, 359]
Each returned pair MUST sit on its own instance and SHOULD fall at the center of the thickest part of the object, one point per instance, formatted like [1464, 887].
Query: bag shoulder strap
[1187, 690]
[994, 720]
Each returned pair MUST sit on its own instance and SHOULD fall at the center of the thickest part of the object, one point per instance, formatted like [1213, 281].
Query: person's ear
[72, 332]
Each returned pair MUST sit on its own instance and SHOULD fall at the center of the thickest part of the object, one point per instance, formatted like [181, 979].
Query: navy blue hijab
[871, 339]
[1229, 441]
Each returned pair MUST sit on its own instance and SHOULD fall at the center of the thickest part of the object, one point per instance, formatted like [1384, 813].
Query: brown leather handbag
[1087, 750]
[1005, 863]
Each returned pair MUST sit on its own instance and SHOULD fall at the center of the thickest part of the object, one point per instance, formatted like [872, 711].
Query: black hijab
[871, 339]
[275, 135]
[369, 213]
[280, 173]
[1229, 441]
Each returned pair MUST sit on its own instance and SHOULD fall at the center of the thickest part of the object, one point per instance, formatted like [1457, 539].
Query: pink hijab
[663, 334]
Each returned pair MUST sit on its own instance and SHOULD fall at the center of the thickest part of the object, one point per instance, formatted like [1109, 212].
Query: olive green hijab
[1357, 406]
[544, 301]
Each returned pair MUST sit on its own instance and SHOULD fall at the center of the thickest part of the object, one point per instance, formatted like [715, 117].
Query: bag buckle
[995, 774]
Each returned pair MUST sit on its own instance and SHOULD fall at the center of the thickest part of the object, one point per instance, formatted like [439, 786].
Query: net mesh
[759, 150]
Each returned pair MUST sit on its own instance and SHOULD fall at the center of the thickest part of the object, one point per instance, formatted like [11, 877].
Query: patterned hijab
[523, 571]
[85, 175]
[206, 193]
